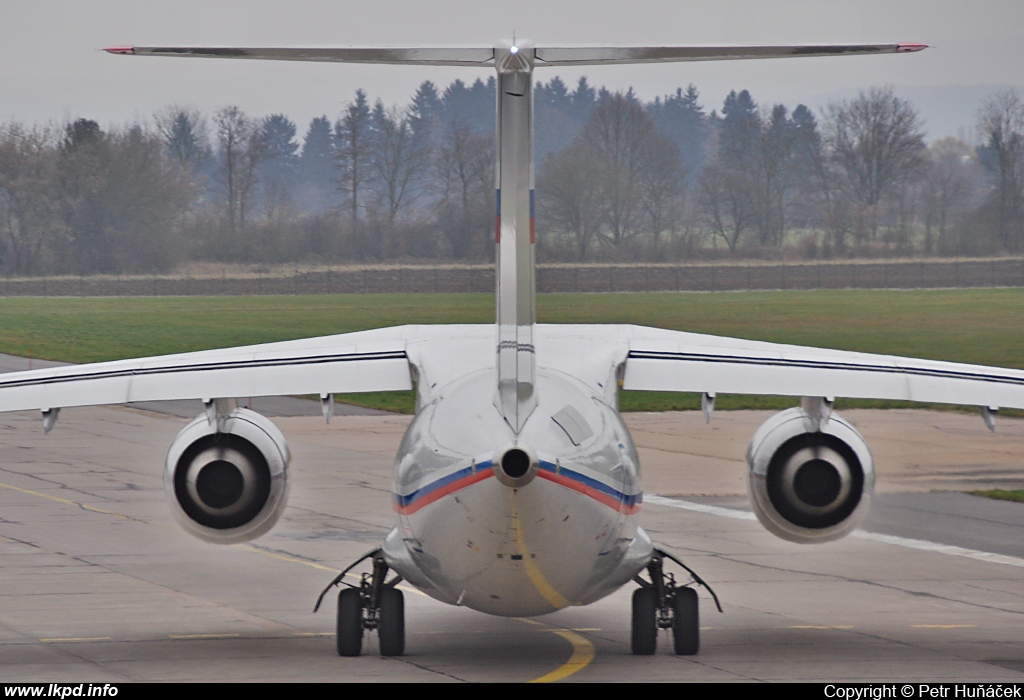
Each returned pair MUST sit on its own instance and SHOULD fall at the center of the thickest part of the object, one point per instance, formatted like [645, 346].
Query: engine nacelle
[228, 486]
[809, 482]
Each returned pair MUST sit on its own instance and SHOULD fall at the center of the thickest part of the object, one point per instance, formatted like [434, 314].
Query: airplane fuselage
[560, 532]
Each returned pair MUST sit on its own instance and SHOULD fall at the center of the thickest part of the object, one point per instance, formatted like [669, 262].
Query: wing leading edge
[688, 362]
[350, 362]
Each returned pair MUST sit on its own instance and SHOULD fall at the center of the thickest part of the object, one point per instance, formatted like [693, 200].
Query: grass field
[983, 326]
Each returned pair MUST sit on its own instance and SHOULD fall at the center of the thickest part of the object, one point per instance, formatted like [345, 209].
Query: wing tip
[910, 48]
[121, 50]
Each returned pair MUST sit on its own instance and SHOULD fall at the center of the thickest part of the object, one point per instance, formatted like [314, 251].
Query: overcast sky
[50, 68]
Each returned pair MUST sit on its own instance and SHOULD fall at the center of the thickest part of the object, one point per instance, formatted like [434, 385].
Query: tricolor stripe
[603, 493]
[497, 216]
[533, 229]
[571, 479]
[438, 489]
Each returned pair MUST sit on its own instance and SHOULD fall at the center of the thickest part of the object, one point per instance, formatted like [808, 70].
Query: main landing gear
[373, 604]
[663, 604]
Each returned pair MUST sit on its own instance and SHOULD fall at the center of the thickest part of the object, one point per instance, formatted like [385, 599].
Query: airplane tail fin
[516, 397]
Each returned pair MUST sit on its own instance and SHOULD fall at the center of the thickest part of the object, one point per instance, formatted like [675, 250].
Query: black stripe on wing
[826, 365]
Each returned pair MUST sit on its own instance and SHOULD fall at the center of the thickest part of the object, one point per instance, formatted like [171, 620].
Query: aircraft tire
[391, 625]
[686, 622]
[644, 638]
[350, 623]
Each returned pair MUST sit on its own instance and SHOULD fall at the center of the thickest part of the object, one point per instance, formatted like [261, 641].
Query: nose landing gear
[661, 603]
[374, 604]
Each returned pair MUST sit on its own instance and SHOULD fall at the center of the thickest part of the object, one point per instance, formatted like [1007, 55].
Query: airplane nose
[516, 466]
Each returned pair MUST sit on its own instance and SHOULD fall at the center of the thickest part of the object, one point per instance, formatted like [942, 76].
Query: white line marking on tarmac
[909, 543]
[699, 507]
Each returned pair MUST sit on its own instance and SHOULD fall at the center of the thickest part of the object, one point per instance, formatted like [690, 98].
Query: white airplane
[517, 486]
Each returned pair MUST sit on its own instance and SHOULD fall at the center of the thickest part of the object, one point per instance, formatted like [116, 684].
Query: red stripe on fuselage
[443, 491]
[613, 503]
[603, 498]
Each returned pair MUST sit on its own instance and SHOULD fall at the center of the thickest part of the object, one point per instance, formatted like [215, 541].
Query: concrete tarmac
[98, 583]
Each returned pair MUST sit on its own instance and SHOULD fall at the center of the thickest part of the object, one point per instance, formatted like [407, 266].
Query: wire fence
[897, 274]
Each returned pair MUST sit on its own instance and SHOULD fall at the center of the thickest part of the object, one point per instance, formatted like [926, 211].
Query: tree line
[618, 179]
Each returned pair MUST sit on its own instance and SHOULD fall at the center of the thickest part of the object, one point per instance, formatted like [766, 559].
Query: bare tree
[876, 142]
[1001, 127]
[465, 180]
[619, 132]
[398, 161]
[569, 197]
[722, 203]
[30, 203]
[146, 199]
[241, 150]
[662, 188]
[949, 188]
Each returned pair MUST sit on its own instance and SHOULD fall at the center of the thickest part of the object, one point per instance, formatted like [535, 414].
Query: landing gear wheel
[686, 622]
[391, 623]
[644, 640]
[350, 622]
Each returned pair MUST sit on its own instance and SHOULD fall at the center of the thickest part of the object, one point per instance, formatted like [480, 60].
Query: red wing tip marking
[910, 48]
[121, 50]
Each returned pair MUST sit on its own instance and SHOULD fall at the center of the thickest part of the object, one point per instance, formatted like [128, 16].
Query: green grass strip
[980, 326]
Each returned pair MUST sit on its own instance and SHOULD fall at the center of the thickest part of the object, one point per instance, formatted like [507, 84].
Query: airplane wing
[660, 360]
[351, 362]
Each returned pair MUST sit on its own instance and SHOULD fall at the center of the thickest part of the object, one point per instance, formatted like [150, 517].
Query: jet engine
[810, 479]
[225, 478]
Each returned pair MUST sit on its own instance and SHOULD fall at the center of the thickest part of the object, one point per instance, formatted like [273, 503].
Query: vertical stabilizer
[514, 234]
